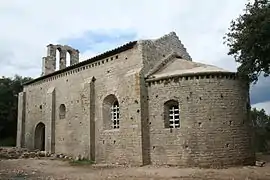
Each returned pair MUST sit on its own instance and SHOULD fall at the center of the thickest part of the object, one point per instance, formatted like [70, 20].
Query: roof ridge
[98, 57]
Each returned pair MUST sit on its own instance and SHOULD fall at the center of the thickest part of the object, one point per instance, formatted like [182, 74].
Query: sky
[97, 26]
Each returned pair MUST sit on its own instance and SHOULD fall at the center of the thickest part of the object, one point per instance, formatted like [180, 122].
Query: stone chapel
[145, 102]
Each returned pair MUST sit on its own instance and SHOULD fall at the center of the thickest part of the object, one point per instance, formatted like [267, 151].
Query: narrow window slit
[115, 115]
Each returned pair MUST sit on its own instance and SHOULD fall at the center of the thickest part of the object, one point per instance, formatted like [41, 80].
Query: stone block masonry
[145, 102]
[49, 62]
[214, 129]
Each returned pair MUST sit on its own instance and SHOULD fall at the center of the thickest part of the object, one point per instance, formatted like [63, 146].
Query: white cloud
[28, 26]
[263, 105]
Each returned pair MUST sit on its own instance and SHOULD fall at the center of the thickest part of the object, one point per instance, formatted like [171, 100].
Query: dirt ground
[45, 169]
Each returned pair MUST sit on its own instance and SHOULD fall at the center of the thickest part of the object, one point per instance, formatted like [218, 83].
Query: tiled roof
[181, 67]
[106, 54]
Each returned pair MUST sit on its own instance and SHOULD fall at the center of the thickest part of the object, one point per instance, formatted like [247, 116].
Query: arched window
[171, 114]
[62, 111]
[111, 112]
[57, 58]
[115, 115]
[68, 55]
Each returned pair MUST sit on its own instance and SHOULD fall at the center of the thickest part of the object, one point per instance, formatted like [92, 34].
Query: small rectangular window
[115, 115]
[174, 117]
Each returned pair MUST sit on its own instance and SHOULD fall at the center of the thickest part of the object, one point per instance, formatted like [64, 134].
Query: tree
[249, 40]
[9, 89]
[261, 124]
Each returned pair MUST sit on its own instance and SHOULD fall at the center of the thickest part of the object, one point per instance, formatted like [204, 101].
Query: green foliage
[261, 124]
[9, 141]
[9, 89]
[249, 40]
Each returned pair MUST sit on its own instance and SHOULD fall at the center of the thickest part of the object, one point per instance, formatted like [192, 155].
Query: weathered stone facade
[144, 102]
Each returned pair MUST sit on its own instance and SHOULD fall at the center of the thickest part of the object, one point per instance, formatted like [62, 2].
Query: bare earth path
[35, 169]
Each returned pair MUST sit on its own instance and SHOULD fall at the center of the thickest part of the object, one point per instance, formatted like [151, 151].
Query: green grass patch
[83, 162]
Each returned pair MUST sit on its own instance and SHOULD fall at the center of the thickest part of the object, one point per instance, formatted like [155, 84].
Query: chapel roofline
[106, 54]
[191, 74]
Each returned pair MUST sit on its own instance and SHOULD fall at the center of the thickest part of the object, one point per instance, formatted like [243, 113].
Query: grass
[83, 162]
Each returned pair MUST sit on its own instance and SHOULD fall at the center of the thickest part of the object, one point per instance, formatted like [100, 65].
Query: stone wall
[71, 104]
[20, 141]
[49, 62]
[78, 134]
[152, 52]
[83, 98]
[214, 124]
[155, 50]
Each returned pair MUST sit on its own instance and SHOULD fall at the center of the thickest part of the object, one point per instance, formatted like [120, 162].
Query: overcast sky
[27, 26]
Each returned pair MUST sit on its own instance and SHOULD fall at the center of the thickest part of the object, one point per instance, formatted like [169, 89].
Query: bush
[10, 141]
